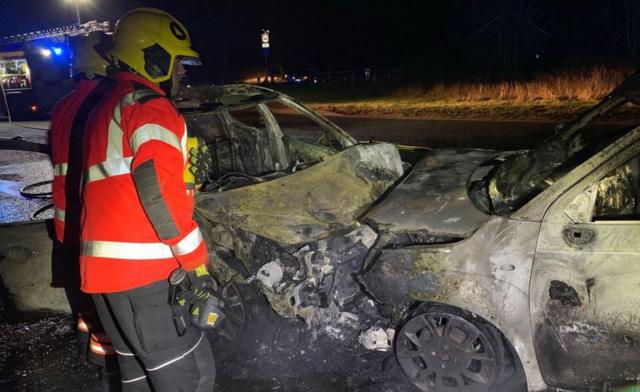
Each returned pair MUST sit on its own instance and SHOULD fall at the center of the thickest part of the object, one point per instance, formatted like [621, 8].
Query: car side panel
[585, 296]
[487, 274]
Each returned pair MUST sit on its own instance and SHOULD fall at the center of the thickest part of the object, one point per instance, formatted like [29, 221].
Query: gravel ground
[39, 354]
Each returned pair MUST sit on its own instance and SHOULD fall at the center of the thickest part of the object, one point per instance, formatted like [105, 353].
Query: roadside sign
[264, 41]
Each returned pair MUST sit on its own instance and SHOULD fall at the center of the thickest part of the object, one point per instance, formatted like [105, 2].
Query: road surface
[501, 135]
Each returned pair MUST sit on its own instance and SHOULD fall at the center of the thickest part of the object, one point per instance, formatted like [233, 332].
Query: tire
[442, 348]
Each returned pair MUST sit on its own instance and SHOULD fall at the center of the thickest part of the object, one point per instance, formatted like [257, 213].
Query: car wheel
[235, 311]
[246, 310]
[441, 348]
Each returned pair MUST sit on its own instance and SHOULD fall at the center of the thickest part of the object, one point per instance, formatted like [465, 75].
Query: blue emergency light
[57, 51]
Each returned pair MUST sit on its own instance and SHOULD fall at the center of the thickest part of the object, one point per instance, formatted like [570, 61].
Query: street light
[77, 4]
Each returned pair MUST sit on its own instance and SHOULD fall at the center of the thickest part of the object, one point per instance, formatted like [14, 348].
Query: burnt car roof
[227, 97]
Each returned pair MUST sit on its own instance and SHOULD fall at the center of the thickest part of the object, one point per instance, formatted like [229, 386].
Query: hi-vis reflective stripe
[179, 357]
[126, 250]
[130, 99]
[108, 168]
[142, 251]
[82, 325]
[58, 214]
[149, 132]
[116, 164]
[101, 337]
[101, 348]
[133, 380]
[183, 144]
[188, 244]
[60, 169]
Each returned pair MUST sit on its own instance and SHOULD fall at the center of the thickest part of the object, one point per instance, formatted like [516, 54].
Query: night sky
[427, 40]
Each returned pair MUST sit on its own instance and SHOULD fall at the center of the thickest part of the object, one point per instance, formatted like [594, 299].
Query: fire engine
[35, 69]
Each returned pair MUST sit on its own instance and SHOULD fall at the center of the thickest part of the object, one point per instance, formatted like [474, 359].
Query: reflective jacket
[137, 221]
[62, 121]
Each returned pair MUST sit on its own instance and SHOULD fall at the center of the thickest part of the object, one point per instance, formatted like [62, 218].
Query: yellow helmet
[88, 53]
[148, 40]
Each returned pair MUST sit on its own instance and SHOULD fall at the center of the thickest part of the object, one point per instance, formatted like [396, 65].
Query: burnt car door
[585, 287]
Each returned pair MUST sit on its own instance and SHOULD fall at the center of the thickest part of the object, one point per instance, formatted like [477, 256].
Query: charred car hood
[433, 198]
[309, 204]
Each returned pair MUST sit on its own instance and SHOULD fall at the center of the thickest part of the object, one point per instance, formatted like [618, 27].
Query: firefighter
[137, 223]
[67, 123]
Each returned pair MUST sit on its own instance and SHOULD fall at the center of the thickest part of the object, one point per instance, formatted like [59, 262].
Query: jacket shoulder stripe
[149, 132]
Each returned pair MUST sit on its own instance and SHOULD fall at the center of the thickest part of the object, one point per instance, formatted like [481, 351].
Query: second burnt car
[480, 270]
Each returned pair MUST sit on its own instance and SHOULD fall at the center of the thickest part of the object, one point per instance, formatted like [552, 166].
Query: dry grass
[579, 85]
[553, 97]
[489, 110]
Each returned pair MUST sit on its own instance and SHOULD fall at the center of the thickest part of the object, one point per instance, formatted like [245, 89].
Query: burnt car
[486, 270]
[480, 270]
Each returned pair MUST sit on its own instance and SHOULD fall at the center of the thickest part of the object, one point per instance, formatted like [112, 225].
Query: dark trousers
[65, 273]
[151, 355]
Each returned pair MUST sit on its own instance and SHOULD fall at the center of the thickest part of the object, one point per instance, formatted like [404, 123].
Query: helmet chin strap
[166, 87]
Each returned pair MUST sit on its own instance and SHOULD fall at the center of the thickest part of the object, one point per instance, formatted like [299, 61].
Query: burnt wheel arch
[475, 355]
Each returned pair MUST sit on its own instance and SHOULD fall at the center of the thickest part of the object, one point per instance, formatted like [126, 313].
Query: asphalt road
[501, 135]
[434, 133]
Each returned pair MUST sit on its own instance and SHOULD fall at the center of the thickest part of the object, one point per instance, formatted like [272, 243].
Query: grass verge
[550, 97]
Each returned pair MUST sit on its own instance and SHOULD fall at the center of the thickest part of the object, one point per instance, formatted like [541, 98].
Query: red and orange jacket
[137, 220]
[62, 121]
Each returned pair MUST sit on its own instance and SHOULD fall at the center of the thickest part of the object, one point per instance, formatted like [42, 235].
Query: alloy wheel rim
[444, 352]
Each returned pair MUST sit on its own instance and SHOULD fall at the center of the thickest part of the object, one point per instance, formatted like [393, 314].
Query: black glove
[206, 309]
[197, 290]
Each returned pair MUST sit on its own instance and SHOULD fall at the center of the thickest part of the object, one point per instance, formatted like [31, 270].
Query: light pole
[77, 4]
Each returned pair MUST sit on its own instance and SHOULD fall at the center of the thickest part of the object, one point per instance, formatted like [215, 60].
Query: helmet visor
[189, 60]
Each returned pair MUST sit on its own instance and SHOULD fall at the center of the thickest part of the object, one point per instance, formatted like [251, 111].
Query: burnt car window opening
[255, 134]
[294, 124]
[307, 141]
[524, 175]
[260, 137]
[617, 193]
